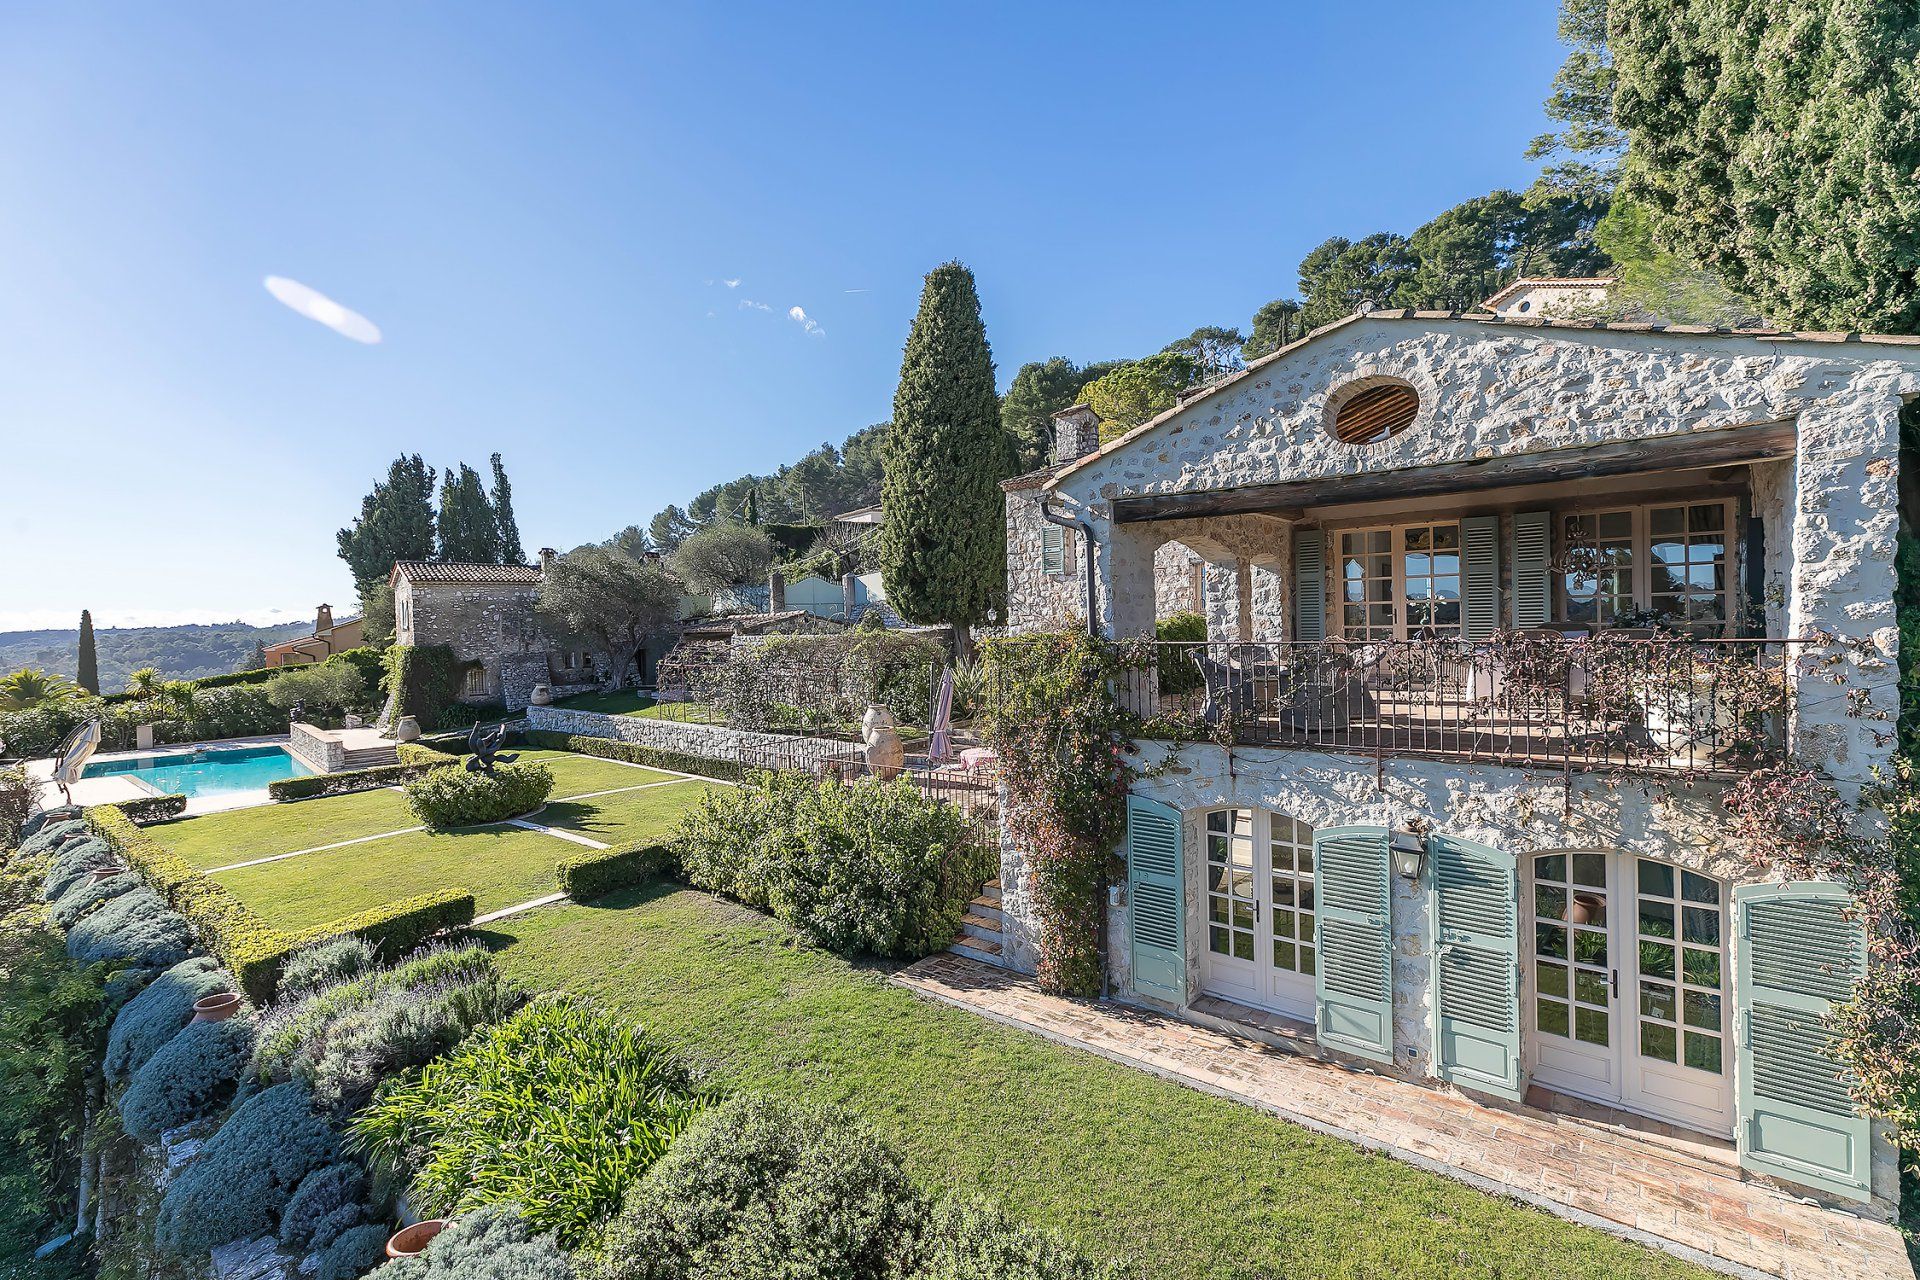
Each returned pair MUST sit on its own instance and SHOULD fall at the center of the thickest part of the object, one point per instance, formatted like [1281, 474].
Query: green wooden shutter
[1053, 549]
[1473, 903]
[1156, 900]
[1309, 585]
[1353, 985]
[1532, 548]
[1480, 539]
[1797, 953]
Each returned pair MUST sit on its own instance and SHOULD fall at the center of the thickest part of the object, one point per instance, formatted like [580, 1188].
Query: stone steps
[370, 757]
[980, 927]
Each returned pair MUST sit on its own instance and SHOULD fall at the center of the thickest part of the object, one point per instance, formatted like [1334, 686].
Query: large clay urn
[886, 754]
[542, 696]
[408, 729]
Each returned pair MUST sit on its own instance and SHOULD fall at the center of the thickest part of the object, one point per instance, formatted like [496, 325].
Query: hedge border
[597, 874]
[319, 785]
[251, 949]
[635, 753]
[148, 810]
[423, 752]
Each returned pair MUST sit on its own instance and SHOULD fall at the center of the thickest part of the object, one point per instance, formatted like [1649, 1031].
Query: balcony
[1577, 702]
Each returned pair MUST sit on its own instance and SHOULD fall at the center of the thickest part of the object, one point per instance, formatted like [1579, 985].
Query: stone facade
[714, 741]
[1826, 520]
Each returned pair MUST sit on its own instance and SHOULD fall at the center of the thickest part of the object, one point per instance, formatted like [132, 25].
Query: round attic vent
[1374, 413]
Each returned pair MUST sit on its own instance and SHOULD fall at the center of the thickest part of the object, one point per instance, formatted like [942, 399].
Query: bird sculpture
[483, 742]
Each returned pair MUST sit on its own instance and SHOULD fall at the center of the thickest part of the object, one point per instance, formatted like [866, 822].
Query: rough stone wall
[319, 752]
[715, 741]
[494, 625]
[1037, 600]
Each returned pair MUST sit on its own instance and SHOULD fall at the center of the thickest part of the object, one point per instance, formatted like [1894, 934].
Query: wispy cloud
[799, 316]
[856, 291]
[318, 307]
[748, 304]
[733, 283]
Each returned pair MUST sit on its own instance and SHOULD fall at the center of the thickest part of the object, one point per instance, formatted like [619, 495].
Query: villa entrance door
[1260, 943]
[1629, 986]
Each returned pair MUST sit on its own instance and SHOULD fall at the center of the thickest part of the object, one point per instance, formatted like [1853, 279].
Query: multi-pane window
[1687, 562]
[1681, 944]
[1232, 908]
[1430, 578]
[1599, 573]
[1571, 970]
[476, 681]
[1366, 585]
[1290, 867]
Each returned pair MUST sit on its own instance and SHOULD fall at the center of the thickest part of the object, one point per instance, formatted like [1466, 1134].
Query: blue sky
[540, 207]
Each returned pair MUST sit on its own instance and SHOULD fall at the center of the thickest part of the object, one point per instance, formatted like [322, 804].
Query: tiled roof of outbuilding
[500, 575]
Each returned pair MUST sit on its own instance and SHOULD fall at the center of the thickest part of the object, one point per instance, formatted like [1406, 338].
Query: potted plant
[408, 1242]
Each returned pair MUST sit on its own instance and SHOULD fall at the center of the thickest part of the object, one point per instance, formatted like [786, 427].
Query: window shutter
[1798, 952]
[1353, 985]
[1053, 549]
[1480, 536]
[1473, 904]
[1156, 900]
[1532, 548]
[1309, 585]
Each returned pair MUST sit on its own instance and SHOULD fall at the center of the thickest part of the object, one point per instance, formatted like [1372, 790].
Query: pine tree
[468, 534]
[943, 547]
[395, 522]
[89, 660]
[511, 552]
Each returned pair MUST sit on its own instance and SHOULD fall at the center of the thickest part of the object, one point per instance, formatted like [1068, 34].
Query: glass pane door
[1290, 862]
[1573, 997]
[1366, 585]
[1681, 952]
[1430, 566]
[1232, 909]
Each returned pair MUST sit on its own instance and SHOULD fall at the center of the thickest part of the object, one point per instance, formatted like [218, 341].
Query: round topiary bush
[156, 1015]
[454, 797]
[136, 927]
[189, 1075]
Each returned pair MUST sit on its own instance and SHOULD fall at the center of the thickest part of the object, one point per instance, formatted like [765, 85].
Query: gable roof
[1476, 317]
[1526, 283]
[499, 575]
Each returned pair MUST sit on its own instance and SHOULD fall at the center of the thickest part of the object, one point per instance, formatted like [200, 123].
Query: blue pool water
[209, 773]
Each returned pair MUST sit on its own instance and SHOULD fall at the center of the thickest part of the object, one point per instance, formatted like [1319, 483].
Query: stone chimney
[776, 591]
[849, 585]
[323, 620]
[1076, 433]
[547, 556]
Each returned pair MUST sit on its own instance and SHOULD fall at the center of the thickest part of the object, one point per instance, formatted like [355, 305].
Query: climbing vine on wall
[1063, 738]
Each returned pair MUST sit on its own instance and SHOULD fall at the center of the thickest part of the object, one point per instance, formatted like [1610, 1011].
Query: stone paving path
[1694, 1203]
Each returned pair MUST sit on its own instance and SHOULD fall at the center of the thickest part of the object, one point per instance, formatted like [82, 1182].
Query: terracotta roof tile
[472, 574]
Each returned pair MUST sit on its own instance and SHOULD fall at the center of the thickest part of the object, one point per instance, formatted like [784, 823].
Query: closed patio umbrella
[73, 755]
[940, 740]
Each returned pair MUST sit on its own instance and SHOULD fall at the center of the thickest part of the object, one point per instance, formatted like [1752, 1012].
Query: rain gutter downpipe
[1090, 552]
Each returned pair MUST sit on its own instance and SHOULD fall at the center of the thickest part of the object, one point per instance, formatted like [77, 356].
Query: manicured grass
[498, 865]
[575, 774]
[242, 834]
[624, 703]
[648, 815]
[1177, 1182]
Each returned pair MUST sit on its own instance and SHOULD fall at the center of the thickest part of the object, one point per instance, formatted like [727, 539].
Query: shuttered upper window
[1053, 550]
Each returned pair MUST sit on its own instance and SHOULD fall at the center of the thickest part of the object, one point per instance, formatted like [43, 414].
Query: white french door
[1628, 986]
[1260, 943]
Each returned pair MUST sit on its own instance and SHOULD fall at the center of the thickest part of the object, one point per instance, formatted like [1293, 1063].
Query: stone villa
[1399, 862]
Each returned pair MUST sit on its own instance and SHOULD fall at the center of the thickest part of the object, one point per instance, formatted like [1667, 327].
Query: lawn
[1178, 1182]
[625, 702]
[632, 815]
[238, 835]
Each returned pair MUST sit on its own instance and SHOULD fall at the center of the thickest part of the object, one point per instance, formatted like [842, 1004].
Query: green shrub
[237, 711]
[86, 893]
[135, 927]
[76, 861]
[464, 715]
[327, 965]
[871, 867]
[315, 785]
[495, 1243]
[761, 1188]
[424, 752]
[189, 1075]
[343, 1040]
[123, 985]
[595, 875]
[1178, 672]
[357, 1251]
[246, 1173]
[327, 1202]
[16, 802]
[635, 753]
[971, 1240]
[558, 1109]
[422, 679]
[35, 823]
[323, 687]
[148, 810]
[456, 798]
[395, 928]
[158, 1013]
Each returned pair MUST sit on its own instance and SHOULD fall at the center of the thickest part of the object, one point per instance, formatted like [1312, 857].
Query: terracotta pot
[216, 1008]
[407, 1242]
[109, 872]
[1584, 907]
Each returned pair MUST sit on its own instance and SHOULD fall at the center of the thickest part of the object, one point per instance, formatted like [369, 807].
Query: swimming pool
[207, 772]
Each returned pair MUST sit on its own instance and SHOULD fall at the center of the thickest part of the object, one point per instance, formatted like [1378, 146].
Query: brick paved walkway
[1686, 1198]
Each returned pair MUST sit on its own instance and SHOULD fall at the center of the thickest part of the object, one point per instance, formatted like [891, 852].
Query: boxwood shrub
[635, 753]
[246, 1173]
[158, 1013]
[148, 810]
[190, 1075]
[315, 785]
[458, 798]
[869, 867]
[595, 875]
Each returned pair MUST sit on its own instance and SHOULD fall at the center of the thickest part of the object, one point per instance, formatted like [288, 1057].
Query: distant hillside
[180, 653]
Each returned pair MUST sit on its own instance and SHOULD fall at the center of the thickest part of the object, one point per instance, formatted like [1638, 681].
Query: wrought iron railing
[1661, 702]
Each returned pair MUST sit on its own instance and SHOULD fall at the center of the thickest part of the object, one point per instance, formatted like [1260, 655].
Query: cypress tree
[943, 548]
[511, 552]
[89, 672]
[468, 534]
[395, 522]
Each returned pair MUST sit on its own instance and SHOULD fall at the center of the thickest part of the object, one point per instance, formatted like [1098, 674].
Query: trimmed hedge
[317, 785]
[429, 751]
[634, 753]
[251, 948]
[595, 875]
[151, 809]
[443, 798]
